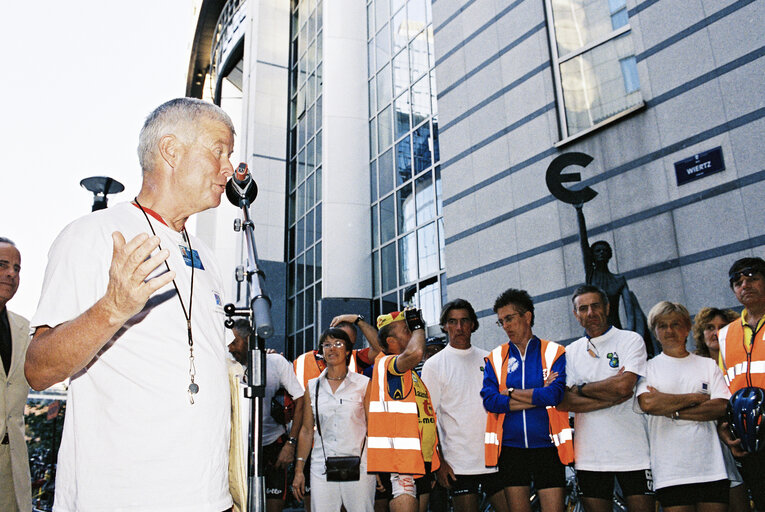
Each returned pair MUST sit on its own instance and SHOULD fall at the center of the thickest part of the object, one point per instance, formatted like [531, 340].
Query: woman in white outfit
[683, 394]
[343, 426]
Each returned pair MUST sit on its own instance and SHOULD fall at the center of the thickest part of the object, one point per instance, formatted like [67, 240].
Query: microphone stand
[259, 311]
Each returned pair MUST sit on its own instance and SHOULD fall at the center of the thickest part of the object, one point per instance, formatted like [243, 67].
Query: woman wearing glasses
[336, 426]
[683, 394]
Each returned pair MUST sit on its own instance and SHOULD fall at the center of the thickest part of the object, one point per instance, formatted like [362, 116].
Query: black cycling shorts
[691, 494]
[600, 484]
[518, 466]
[489, 483]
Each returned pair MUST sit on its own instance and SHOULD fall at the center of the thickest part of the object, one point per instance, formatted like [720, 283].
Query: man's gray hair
[8, 241]
[179, 117]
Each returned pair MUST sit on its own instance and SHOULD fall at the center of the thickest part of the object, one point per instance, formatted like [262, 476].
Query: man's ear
[170, 149]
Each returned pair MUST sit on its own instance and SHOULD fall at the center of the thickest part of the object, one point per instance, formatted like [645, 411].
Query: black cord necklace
[193, 386]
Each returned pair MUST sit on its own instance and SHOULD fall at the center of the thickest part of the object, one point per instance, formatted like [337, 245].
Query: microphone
[241, 186]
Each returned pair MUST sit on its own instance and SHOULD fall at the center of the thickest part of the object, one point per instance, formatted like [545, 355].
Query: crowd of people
[154, 420]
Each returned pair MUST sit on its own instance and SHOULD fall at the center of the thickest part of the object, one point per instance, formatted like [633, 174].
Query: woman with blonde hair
[683, 394]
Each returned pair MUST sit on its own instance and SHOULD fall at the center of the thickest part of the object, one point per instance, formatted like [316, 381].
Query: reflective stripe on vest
[734, 357]
[393, 442]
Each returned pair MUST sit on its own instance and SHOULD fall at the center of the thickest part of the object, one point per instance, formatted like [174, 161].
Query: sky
[80, 77]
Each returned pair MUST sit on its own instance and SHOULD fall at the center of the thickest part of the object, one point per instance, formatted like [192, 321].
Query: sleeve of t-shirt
[718, 388]
[287, 378]
[571, 376]
[635, 359]
[76, 275]
[432, 380]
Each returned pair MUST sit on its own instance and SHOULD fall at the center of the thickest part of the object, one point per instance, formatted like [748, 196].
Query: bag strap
[318, 422]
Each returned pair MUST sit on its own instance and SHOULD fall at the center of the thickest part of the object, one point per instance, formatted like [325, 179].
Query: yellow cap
[384, 320]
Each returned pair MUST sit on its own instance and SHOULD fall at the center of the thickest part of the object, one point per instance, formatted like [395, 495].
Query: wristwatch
[510, 392]
[292, 441]
[359, 318]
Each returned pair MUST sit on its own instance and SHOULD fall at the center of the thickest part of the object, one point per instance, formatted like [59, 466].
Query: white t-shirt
[684, 451]
[132, 440]
[454, 379]
[279, 373]
[615, 438]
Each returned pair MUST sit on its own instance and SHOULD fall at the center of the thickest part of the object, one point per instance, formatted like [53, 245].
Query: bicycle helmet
[745, 418]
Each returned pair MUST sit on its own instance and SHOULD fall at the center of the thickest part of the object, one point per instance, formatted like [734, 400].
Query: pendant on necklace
[193, 388]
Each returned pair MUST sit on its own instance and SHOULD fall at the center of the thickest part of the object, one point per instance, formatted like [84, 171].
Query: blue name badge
[188, 256]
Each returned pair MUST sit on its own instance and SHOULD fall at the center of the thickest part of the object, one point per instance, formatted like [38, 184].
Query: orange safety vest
[307, 367]
[394, 443]
[742, 369]
[560, 429]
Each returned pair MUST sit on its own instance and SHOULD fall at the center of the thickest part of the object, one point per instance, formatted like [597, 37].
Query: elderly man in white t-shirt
[610, 440]
[454, 377]
[132, 312]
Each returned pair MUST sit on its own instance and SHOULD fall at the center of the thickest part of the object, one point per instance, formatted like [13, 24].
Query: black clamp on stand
[241, 190]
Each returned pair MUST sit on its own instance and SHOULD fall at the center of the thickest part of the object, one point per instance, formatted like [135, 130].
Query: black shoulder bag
[338, 469]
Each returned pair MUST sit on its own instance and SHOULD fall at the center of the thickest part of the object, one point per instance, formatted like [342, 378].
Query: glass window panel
[318, 80]
[630, 74]
[397, 4]
[318, 149]
[311, 27]
[401, 78]
[427, 249]
[436, 150]
[376, 273]
[291, 210]
[382, 12]
[417, 15]
[372, 98]
[578, 23]
[430, 302]
[318, 184]
[385, 170]
[309, 125]
[309, 232]
[300, 307]
[309, 267]
[388, 267]
[385, 129]
[425, 199]
[301, 125]
[309, 191]
[439, 202]
[310, 57]
[291, 278]
[403, 161]
[370, 20]
[382, 46]
[371, 57]
[421, 148]
[594, 84]
[301, 200]
[295, 24]
[389, 304]
[319, 113]
[309, 163]
[310, 94]
[319, 16]
[318, 263]
[301, 272]
[407, 259]
[302, 40]
[293, 173]
[319, 47]
[373, 179]
[406, 211]
[433, 96]
[373, 138]
[441, 243]
[299, 242]
[317, 293]
[317, 213]
[383, 87]
[291, 243]
[418, 56]
[399, 30]
[309, 306]
[387, 219]
[375, 228]
[377, 308]
[401, 113]
[420, 101]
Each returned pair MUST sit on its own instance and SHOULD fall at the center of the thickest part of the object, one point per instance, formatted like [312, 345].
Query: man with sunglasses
[742, 359]
[602, 368]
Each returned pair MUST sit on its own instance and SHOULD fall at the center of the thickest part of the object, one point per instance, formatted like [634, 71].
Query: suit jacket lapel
[20, 337]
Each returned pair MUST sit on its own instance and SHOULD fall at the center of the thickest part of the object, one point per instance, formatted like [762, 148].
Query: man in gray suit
[15, 489]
